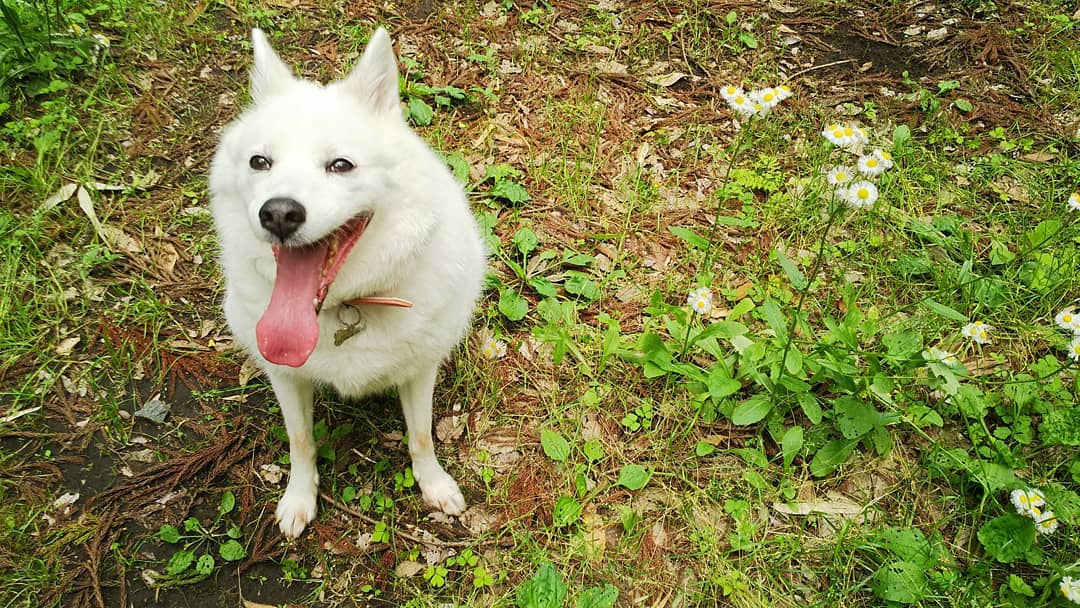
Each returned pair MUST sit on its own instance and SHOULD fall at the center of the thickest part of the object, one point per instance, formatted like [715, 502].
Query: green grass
[804, 451]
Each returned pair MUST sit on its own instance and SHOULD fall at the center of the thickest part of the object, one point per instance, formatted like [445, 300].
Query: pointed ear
[375, 79]
[269, 75]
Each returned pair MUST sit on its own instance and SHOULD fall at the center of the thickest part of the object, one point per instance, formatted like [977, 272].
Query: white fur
[422, 244]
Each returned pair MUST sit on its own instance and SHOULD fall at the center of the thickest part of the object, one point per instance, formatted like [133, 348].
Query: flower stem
[834, 212]
[732, 155]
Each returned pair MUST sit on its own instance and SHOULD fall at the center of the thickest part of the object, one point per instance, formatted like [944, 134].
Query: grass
[801, 451]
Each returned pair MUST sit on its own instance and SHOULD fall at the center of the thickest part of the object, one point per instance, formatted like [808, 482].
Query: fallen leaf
[248, 369]
[62, 194]
[66, 499]
[154, 410]
[833, 506]
[66, 346]
[667, 80]
[408, 568]
[118, 240]
[87, 206]
[612, 67]
[1039, 157]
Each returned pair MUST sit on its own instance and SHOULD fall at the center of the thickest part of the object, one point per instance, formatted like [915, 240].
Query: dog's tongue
[289, 329]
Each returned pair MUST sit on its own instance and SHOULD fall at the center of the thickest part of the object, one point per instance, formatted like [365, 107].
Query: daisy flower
[835, 134]
[743, 105]
[1068, 319]
[1070, 588]
[783, 92]
[1074, 348]
[700, 300]
[493, 349]
[884, 158]
[860, 195]
[871, 166]
[1074, 201]
[1028, 502]
[839, 175]
[978, 331]
[1046, 523]
[943, 356]
[731, 91]
[767, 98]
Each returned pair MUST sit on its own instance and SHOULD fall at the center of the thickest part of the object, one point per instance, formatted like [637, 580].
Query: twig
[358, 514]
[819, 67]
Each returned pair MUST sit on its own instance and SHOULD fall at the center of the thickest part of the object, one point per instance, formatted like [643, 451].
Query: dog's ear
[269, 75]
[375, 79]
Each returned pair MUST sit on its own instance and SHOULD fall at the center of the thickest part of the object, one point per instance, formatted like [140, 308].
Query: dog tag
[352, 323]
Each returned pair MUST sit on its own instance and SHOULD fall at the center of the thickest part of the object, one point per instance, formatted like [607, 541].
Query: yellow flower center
[886, 156]
[871, 162]
[863, 193]
[740, 100]
[1067, 318]
[768, 97]
[848, 131]
[982, 334]
[841, 176]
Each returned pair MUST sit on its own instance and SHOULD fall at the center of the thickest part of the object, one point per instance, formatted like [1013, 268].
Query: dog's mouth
[288, 331]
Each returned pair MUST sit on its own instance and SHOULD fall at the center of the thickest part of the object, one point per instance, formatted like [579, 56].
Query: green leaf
[512, 305]
[691, 237]
[810, 407]
[901, 582]
[720, 383]
[232, 551]
[348, 494]
[1018, 586]
[179, 562]
[598, 597]
[555, 445]
[593, 450]
[748, 39]
[228, 502]
[420, 112]
[797, 278]
[791, 444]
[525, 240]
[543, 287]
[634, 477]
[831, 455]
[704, 448]
[901, 134]
[910, 545]
[752, 410]
[581, 284]
[1046, 230]
[855, 418]
[169, 533]
[205, 565]
[1007, 538]
[512, 192]
[775, 318]
[944, 311]
[566, 512]
[964, 105]
[544, 590]
[903, 346]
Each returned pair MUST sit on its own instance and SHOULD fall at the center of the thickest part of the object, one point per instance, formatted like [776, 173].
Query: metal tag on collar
[352, 323]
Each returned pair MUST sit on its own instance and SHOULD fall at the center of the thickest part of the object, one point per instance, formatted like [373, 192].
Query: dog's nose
[282, 216]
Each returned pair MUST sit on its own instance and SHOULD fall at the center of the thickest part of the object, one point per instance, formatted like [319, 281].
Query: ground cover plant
[782, 311]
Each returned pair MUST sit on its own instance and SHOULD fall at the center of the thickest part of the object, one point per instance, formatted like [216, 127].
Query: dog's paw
[295, 511]
[442, 492]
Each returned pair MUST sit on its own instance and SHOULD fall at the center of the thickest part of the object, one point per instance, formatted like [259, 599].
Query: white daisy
[1068, 319]
[835, 134]
[700, 300]
[783, 92]
[1028, 502]
[978, 331]
[860, 195]
[493, 349]
[1074, 348]
[743, 105]
[1070, 588]
[839, 175]
[884, 157]
[871, 166]
[1046, 523]
[731, 91]
[943, 356]
[1074, 201]
[767, 98]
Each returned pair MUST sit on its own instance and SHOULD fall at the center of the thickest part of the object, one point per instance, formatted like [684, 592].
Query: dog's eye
[340, 165]
[260, 163]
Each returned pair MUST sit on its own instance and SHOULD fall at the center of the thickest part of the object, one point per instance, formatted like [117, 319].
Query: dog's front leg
[439, 489]
[297, 506]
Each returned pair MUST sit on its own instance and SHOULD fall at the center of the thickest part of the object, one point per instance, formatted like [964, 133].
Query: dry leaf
[247, 371]
[1039, 157]
[87, 206]
[118, 240]
[408, 568]
[832, 506]
[66, 345]
[62, 194]
[667, 80]
[166, 258]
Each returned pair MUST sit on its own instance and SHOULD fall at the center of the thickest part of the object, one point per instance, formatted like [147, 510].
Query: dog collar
[352, 321]
[381, 301]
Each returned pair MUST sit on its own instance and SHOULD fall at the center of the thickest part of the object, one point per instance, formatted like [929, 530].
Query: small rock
[938, 34]
[154, 410]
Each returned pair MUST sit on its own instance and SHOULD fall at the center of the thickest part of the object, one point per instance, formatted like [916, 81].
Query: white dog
[349, 252]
